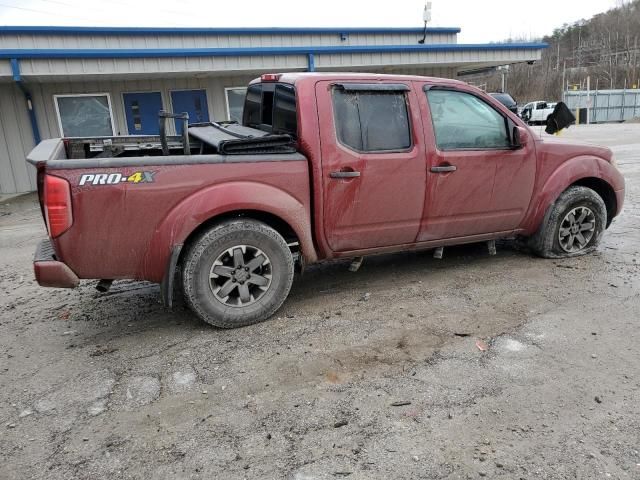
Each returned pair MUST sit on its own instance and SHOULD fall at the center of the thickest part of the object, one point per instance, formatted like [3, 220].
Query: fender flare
[568, 173]
[203, 205]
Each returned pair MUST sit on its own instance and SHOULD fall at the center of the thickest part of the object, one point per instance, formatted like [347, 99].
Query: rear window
[252, 106]
[271, 107]
[284, 110]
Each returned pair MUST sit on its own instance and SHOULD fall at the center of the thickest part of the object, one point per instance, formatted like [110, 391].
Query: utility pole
[564, 71]
[504, 70]
[588, 99]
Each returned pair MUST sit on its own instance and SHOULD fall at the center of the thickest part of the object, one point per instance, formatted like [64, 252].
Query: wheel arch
[587, 171]
[273, 206]
[275, 222]
[604, 190]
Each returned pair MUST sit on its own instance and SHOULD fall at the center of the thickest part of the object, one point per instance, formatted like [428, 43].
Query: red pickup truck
[323, 166]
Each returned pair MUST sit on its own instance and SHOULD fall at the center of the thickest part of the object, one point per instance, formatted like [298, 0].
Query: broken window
[84, 115]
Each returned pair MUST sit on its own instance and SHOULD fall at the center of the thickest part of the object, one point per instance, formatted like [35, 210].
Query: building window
[372, 121]
[235, 102]
[84, 115]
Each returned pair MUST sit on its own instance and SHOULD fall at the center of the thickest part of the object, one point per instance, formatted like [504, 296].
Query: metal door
[194, 102]
[141, 110]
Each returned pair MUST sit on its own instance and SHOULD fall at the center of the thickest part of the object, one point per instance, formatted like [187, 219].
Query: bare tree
[605, 47]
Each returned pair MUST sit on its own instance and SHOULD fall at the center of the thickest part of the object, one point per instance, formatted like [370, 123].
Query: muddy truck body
[323, 166]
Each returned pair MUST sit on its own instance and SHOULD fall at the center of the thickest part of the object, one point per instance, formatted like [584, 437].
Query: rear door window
[372, 121]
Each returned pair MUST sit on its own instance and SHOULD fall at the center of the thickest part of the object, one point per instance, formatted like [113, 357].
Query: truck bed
[124, 207]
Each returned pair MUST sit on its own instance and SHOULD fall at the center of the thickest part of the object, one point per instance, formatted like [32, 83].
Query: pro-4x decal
[115, 178]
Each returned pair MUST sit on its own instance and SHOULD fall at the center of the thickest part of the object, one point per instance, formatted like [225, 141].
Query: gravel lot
[339, 384]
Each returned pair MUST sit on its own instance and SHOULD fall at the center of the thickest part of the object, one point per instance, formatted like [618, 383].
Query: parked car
[323, 167]
[507, 100]
[536, 113]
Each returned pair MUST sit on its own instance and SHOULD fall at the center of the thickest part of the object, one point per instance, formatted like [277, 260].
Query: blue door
[141, 110]
[194, 102]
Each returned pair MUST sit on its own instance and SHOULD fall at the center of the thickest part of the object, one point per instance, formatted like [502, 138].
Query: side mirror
[520, 137]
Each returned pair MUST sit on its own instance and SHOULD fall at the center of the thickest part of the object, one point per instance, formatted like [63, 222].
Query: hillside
[605, 47]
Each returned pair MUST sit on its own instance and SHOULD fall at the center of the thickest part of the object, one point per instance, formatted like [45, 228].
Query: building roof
[248, 51]
[35, 53]
[52, 30]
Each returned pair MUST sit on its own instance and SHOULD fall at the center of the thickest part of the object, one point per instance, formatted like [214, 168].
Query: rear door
[141, 110]
[194, 102]
[373, 164]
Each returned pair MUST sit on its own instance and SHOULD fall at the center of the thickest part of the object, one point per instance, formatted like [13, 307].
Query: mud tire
[206, 248]
[546, 243]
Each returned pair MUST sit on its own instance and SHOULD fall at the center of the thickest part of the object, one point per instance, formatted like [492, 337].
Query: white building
[81, 81]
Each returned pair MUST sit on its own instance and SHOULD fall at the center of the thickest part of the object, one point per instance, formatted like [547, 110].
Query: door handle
[344, 174]
[444, 168]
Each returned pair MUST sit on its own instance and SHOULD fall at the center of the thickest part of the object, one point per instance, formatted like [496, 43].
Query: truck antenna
[426, 17]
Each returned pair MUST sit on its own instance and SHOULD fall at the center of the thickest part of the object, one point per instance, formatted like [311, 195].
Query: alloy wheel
[577, 229]
[240, 276]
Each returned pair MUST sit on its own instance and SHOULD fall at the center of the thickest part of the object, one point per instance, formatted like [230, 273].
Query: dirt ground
[368, 375]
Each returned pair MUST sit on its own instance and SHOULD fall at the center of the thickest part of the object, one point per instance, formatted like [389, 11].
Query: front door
[194, 102]
[477, 183]
[141, 111]
[373, 164]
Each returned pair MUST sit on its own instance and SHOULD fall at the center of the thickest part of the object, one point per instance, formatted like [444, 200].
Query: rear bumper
[49, 271]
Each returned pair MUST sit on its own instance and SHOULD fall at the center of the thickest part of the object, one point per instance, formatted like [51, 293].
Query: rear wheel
[573, 225]
[237, 273]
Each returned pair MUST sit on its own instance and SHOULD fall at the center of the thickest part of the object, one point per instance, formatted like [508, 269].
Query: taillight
[57, 205]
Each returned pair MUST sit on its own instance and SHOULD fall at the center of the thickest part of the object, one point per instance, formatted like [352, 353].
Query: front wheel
[237, 273]
[573, 225]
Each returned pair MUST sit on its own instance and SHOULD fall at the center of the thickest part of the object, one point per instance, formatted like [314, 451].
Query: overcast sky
[480, 20]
